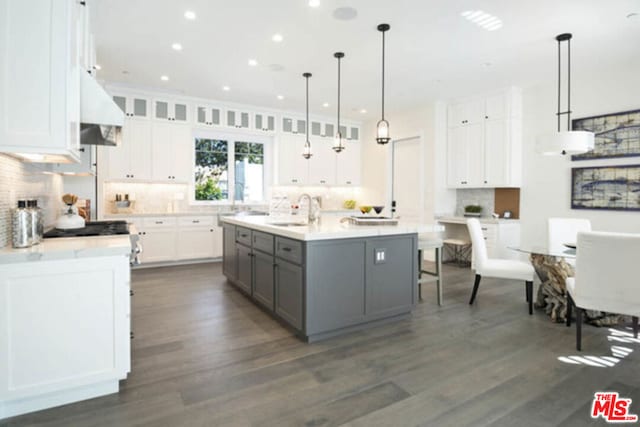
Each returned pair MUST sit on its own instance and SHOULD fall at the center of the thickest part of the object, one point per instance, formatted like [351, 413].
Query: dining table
[552, 266]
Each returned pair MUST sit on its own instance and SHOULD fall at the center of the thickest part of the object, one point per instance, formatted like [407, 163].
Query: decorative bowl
[365, 209]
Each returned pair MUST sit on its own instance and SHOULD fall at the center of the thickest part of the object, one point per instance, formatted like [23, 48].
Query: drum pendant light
[382, 130]
[565, 142]
[306, 152]
[338, 142]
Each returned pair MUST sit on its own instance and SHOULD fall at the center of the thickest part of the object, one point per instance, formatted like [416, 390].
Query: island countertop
[329, 227]
[68, 248]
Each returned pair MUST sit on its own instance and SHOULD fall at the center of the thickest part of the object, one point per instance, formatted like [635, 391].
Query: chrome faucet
[314, 207]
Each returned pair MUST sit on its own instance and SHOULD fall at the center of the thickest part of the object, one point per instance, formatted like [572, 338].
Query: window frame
[232, 138]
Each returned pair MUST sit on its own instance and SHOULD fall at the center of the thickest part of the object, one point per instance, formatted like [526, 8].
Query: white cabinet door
[264, 122]
[474, 154]
[496, 153]
[114, 163]
[158, 244]
[183, 151]
[238, 119]
[139, 146]
[292, 167]
[497, 106]
[322, 165]
[171, 152]
[349, 164]
[132, 105]
[465, 154]
[466, 112]
[171, 110]
[40, 79]
[195, 243]
[206, 115]
[294, 125]
[217, 241]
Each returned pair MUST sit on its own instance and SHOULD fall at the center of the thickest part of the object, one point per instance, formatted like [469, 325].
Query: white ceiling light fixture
[306, 152]
[325, 105]
[482, 19]
[565, 142]
[363, 111]
[164, 78]
[253, 63]
[314, 3]
[382, 128]
[226, 88]
[280, 97]
[190, 15]
[277, 37]
[176, 46]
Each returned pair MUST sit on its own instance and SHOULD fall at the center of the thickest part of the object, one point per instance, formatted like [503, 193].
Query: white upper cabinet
[40, 79]
[239, 119]
[171, 149]
[485, 141]
[171, 110]
[293, 169]
[208, 115]
[294, 125]
[134, 106]
[348, 164]
[354, 133]
[131, 160]
[264, 122]
[322, 164]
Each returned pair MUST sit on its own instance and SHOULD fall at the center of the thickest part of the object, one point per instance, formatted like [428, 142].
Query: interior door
[407, 164]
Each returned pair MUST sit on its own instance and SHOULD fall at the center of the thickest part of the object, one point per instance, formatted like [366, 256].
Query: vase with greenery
[473, 210]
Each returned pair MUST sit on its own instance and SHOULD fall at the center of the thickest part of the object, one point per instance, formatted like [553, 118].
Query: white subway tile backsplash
[484, 197]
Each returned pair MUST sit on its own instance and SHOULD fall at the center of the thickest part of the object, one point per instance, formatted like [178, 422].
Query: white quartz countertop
[484, 220]
[329, 227]
[68, 248]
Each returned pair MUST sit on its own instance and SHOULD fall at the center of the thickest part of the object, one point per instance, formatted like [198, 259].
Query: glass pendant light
[338, 142]
[565, 142]
[306, 152]
[382, 130]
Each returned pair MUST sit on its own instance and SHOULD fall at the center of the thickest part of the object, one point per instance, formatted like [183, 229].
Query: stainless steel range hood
[101, 120]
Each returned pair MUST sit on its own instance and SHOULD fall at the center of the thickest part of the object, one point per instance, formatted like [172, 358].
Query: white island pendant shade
[569, 142]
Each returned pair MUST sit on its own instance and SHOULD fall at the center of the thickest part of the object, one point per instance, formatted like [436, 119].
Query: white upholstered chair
[564, 230]
[606, 277]
[499, 268]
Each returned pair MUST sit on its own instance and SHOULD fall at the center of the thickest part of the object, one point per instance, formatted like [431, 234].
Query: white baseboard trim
[174, 263]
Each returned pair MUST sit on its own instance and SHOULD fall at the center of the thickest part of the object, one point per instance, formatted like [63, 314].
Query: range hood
[101, 120]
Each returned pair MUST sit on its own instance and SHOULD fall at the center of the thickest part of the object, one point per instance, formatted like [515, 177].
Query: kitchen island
[324, 279]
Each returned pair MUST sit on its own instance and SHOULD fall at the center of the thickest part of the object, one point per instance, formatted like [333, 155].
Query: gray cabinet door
[229, 260]
[263, 279]
[245, 267]
[289, 293]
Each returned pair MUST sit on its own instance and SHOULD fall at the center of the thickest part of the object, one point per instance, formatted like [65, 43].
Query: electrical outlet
[379, 255]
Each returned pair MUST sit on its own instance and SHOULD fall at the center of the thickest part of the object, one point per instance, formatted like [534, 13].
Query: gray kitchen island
[324, 279]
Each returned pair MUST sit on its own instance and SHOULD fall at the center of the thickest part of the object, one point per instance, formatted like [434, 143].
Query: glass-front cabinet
[173, 111]
[132, 105]
[208, 115]
[238, 119]
[293, 125]
[264, 122]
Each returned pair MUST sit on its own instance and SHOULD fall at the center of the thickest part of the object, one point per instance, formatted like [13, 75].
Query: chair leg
[476, 285]
[529, 288]
[419, 274]
[578, 328]
[635, 326]
[439, 273]
[569, 309]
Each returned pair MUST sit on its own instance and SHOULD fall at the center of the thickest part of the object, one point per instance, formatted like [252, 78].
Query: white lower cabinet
[64, 331]
[198, 238]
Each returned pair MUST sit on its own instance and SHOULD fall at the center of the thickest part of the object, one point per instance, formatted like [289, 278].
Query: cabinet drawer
[195, 221]
[263, 242]
[160, 222]
[243, 235]
[288, 249]
[490, 231]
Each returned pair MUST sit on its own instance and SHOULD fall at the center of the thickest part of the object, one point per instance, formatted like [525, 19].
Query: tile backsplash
[484, 197]
[20, 180]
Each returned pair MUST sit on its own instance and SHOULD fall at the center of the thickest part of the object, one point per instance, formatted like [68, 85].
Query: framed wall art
[606, 187]
[616, 135]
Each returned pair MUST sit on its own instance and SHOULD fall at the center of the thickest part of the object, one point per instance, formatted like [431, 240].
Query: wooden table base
[552, 293]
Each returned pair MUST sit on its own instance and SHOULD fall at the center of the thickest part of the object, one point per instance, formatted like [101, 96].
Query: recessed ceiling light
[280, 97]
[176, 46]
[634, 16]
[487, 64]
[164, 78]
[325, 105]
[97, 67]
[277, 38]
[314, 3]
[345, 13]
[253, 62]
[363, 111]
[190, 15]
[226, 88]
[482, 19]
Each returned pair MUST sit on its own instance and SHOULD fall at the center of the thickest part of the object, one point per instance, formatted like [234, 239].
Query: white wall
[546, 189]
[428, 122]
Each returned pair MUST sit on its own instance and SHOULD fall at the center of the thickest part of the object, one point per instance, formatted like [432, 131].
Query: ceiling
[432, 52]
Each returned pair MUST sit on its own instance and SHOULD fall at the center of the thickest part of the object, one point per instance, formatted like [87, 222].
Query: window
[229, 169]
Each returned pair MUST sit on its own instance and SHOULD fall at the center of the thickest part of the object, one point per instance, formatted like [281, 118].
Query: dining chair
[564, 230]
[606, 277]
[498, 268]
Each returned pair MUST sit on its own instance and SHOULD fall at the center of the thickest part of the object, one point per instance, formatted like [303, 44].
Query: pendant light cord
[339, 59]
[559, 83]
[569, 85]
[307, 130]
[383, 74]
[568, 111]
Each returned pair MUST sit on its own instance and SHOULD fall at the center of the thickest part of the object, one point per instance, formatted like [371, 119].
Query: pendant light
[565, 142]
[306, 152]
[338, 142]
[382, 130]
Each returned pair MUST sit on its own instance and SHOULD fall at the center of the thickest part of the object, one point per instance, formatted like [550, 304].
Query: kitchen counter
[68, 248]
[329, 227]
[483, 220]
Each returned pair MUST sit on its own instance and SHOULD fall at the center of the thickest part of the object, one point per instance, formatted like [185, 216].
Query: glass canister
[22, 228]
[37, 221]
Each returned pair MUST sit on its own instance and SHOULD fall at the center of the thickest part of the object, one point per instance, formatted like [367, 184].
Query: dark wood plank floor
[203, 355]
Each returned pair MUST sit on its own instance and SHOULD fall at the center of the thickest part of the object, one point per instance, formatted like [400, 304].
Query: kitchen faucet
[314, 207]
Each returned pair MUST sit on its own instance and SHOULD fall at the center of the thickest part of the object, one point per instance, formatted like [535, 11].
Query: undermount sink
[289, 224]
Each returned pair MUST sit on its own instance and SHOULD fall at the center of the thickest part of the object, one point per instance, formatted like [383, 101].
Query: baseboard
[176, 263]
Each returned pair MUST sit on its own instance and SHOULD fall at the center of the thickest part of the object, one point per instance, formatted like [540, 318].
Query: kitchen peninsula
[324, 279]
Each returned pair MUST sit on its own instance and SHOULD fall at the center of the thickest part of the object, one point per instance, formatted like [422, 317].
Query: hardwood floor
[203, 355]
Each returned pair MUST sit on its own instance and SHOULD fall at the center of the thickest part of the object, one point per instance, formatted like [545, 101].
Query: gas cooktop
[95, 228]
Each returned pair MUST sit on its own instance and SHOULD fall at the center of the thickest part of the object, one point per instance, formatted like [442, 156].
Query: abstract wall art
[616, 135]
[606, 188]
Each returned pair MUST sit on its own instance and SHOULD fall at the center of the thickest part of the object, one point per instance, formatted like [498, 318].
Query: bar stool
[434, 276]
[460, 251]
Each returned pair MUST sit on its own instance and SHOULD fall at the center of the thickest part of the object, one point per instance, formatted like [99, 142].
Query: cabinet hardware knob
[486, 117]
[286, 249]
[131, 335]
[131, 293]
[195, 221]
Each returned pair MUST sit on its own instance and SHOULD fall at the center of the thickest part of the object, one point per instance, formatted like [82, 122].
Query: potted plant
[473, 210]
